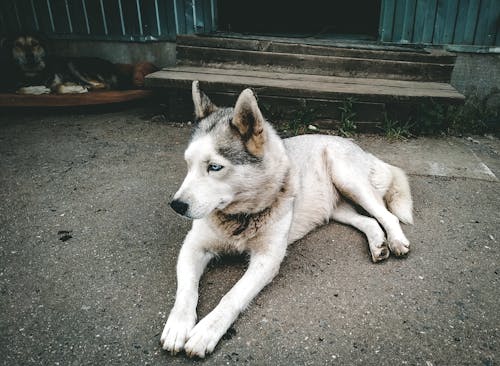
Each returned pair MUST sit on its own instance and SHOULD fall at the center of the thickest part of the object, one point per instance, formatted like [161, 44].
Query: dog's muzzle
[179, 206]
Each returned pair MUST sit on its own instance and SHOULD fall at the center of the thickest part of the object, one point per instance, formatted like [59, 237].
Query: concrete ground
[88, 247]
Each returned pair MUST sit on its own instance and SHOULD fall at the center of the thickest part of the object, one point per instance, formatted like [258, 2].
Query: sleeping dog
[29, 69]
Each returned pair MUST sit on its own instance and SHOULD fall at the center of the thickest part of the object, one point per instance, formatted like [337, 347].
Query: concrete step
[370, 98]
[416, 65]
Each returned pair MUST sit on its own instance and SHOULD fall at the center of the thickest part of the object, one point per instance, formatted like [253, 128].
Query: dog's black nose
[179, 206]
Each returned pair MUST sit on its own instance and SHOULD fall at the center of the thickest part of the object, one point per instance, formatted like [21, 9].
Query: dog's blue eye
[214, 167]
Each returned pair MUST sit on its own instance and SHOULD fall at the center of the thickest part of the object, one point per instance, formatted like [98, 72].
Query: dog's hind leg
[363, 194]
[352, 180]
[346, 214]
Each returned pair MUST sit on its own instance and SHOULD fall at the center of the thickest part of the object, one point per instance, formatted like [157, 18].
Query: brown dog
[29, 69]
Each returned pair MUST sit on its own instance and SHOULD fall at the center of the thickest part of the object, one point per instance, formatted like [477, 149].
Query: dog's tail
[398, 196]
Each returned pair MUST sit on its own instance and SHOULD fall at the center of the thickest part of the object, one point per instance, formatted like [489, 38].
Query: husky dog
[247, 190]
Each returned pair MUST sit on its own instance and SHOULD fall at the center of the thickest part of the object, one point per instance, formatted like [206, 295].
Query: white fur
[299, 184]
[33, 90]
[205, 191]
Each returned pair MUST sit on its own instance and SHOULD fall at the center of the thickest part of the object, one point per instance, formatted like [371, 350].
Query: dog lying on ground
[249, 191]
[27, 68]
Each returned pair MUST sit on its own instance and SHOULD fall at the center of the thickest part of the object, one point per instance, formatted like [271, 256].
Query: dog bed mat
[72, 100]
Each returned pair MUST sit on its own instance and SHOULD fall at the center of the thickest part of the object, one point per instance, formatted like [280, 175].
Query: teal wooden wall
[456, 22]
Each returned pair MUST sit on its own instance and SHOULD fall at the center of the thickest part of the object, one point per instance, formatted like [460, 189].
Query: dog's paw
[400, 246]
[378, 246]
[379, 252]
[175, 333]
[204, 337]
[33, 90]
[71, 89]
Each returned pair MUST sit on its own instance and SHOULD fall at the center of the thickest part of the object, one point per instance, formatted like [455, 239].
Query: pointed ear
[203, 106]
[249, 122]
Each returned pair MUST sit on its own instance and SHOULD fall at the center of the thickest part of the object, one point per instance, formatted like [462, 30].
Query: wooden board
[72, 100]
[320, 65]
[302, 85]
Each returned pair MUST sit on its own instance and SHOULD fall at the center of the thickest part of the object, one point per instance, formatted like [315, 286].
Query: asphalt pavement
[88, 246]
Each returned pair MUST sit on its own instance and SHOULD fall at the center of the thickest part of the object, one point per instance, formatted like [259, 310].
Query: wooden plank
[325, 65]
[315, 78]
[298, 88]
[381, 52]
[72, 100]
[323, 108]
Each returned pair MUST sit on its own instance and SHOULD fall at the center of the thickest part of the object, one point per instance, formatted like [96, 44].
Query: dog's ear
[249, 122]
[203, 106]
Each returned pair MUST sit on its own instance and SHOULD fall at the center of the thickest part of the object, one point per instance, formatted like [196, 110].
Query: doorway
[312, 18]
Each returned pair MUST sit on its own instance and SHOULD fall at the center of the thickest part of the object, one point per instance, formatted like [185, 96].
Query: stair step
[359, 60]
[303, 85]
[314, 64]
[364, 51]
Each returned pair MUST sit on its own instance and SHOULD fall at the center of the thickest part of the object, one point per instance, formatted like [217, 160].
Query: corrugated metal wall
[457, 22]
[123, 20]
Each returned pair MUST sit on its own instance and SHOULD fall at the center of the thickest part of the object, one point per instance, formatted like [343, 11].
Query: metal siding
[387, 20]
[466, 21]
[399, 19]
[449, 21]
[430, 19]
[125, 20]
[76, 11]
[486, 27]
[457, 22]
[408, 25]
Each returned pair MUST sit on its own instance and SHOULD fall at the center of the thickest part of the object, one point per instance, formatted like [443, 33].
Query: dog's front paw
[176, 332]
[379, 252]
[378, 246]
[33, 90]
[204, 337]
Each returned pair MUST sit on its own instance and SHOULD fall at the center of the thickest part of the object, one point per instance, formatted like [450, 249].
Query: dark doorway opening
[301, 18]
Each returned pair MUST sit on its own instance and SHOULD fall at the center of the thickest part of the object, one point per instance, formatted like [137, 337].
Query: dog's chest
[239, 232]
